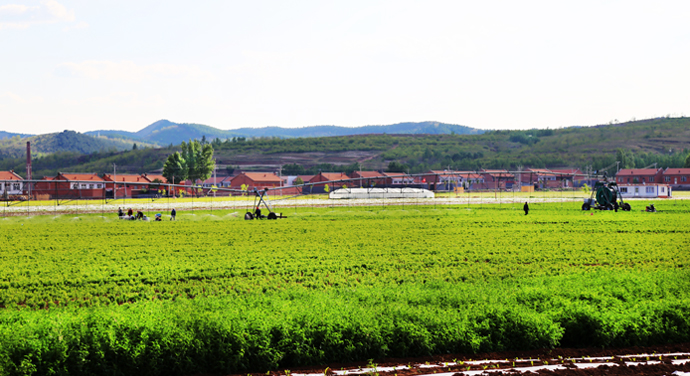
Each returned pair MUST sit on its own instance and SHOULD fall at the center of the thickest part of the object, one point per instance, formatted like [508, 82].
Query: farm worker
[120, 213]
[526, 208]
[130, 212]
[173, 213]
[140, 215]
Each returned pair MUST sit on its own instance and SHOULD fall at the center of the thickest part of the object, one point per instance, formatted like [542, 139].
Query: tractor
[605, 196]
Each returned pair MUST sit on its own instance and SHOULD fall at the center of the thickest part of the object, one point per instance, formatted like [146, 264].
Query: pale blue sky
[87, 64]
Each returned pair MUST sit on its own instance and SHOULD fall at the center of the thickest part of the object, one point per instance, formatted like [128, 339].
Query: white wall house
[645, 190]
[11, 183]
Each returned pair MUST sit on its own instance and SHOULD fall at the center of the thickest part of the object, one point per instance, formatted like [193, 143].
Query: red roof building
[639, 175]
[76, 185]
[44, 187]
[128, 185]
[497, 179]
[677, 177]
[569, 177]
[398, 178]
[258, 180]
[540, 178]
[368, 179]
[334, 180]
[471, 180]
[152, 177]
[11, 183]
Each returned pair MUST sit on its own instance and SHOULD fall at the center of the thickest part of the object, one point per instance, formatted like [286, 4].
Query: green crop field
[212, 293]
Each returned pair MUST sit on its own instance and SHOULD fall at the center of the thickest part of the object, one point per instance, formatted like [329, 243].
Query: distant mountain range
[164, 132]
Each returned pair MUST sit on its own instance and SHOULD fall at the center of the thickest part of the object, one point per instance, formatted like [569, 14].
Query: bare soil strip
[657, 360]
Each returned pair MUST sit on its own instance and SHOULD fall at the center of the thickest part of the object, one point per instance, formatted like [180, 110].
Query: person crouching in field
[526, 208]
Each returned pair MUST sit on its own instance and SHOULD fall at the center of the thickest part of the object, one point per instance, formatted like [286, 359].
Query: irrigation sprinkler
[605, 196]
[261, 197]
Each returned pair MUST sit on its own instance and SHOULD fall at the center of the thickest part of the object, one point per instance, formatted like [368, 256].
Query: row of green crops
[212, 293]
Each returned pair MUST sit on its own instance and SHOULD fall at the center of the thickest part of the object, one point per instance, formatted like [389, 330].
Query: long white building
[645, 190]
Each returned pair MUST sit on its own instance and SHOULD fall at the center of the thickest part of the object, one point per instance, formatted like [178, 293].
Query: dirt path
[656, 360]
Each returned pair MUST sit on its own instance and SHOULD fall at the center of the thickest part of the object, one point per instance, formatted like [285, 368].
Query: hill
[427, 127]
[67, 141]
[635, 144]
[164, 132]
[5, 135]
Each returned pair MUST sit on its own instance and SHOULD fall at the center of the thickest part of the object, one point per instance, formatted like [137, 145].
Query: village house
[442, 180]
[539, 178]
[569, 177]
[71, 186]
[334, 180]
[155, 178]
[126, 185]
[44, 188]
[296, 179]
[219, 183]
[11, 184]
[158, 184]
[497, 179]
[397, 178]
[677, 178]
[258, 180]
[368, 179]
[651, 190]
[471, 180]
[292, 184]
[639, 176]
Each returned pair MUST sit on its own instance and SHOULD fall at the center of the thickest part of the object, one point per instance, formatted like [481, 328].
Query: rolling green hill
[164, 132]
[636, 144]
[67, 141]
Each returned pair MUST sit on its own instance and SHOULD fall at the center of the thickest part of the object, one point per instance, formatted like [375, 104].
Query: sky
[105, 64]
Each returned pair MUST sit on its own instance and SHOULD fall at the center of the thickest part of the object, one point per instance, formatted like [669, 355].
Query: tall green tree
[199, 160]
[687, 161]
[175, 168]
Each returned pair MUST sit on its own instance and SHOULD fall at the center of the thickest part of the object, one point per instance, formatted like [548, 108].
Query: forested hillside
[67, 141]
[637, 144]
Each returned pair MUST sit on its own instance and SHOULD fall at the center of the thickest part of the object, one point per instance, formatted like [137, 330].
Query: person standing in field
[173, 213]
[526, 208]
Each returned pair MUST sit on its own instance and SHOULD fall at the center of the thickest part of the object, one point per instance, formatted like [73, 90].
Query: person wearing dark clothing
[140, 215]
[130, 212]
[173, 213]
[258, 215]
[120, 213]
[526, 208]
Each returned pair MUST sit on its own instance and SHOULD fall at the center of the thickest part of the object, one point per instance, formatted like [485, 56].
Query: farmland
[212, 293]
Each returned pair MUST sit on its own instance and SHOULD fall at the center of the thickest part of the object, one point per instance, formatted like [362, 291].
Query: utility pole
[114, 183]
